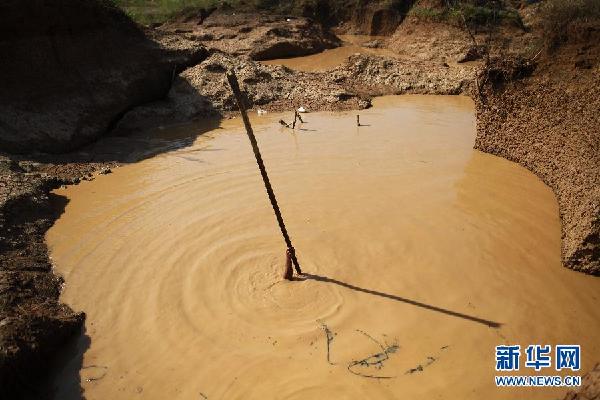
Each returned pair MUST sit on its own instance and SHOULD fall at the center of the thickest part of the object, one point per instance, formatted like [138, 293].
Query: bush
[559, 15]
[473, 13]
[153, 11]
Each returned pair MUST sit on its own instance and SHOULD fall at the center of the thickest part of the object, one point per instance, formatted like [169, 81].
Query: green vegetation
[324, 11]
[156, 11]
[474, 14]
[561, 17]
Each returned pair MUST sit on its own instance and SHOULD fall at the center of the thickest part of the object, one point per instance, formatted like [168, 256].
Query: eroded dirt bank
[69, 70]
[549, 122]
[72, 68]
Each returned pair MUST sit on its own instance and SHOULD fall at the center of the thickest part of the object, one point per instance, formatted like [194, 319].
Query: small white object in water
[301, 110]
[261, 112]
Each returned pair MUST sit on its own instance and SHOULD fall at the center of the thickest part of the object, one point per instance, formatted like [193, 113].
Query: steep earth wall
[71, 68]
[549, 122]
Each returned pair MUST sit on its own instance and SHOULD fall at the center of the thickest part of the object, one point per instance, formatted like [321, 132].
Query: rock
[269, 86]
[71, 68]
[375, 18]
[471, 54]
[258, 36]
[373, 44]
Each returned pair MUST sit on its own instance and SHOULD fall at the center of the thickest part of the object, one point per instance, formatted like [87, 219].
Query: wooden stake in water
[357, 120]
[235, 87]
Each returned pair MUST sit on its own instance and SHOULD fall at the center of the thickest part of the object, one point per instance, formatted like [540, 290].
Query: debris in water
[97, 371]
[329, 335]
[430, 360]
[420, 367]
[375, 360]
[261, 111]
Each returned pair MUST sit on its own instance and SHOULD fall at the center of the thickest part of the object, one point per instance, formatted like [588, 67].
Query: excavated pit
[421, 255]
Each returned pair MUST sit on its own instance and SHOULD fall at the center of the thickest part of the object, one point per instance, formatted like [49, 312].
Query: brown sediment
[33, 323]
[399, 225]
[253, 35]
[549, 122]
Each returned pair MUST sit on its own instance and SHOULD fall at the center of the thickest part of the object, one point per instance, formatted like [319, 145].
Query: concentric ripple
[420, 255]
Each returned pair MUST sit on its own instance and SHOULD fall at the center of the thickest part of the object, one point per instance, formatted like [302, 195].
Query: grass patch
[157, 11]
[476, 12]
[475, 15]
[560, 17]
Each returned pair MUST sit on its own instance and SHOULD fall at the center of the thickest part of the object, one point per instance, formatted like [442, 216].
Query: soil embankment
[549, 123]
[72, 68]
[253, 35]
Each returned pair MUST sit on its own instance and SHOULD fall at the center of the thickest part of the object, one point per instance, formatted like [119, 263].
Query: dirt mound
[429, 41]
[203, 90]
[549, 123]
[375, 17]
[258, 36]
[70, 69]
[267, 86]
[381, 75]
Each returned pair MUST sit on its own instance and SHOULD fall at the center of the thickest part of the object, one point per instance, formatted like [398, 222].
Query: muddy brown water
[420, 249]
[331, 58]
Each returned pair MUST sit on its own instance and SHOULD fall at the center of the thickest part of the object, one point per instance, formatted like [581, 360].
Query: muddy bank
[254, 35]
[72, 68]
[202, 89]
[590, 387]
[33, 324]
[549, 122]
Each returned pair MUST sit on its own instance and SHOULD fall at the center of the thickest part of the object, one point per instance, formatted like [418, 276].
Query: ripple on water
[177, 262]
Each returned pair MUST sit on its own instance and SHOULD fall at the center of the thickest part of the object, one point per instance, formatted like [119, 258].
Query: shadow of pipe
[491, 324]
